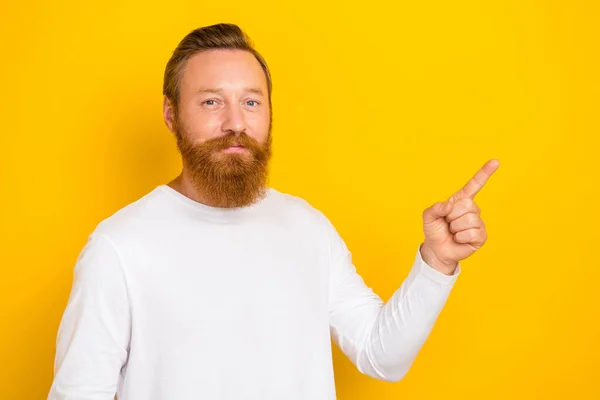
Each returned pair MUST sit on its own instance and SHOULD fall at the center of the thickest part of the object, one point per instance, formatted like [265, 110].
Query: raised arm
[383, 339]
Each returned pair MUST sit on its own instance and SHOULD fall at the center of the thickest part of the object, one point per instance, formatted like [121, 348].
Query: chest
[216, 281]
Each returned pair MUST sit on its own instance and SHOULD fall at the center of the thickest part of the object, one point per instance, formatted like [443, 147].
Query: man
[216, 287]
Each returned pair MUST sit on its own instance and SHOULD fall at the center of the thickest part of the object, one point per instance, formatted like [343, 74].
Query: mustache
[232, 139]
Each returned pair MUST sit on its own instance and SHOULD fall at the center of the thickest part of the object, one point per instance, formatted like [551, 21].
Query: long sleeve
[94, 332]
[383, 339]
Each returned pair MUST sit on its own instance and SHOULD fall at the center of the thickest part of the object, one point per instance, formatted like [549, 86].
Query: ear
[168, 114]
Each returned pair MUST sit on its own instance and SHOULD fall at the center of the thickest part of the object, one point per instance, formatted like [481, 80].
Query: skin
[225, 91]
[454, 229]
[221, 92]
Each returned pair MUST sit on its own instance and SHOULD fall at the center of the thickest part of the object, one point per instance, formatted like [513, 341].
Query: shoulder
[135, 217]
[314, 222]
[299, 208]
[296, 204]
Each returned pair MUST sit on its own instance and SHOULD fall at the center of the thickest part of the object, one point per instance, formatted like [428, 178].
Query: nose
[235, 121]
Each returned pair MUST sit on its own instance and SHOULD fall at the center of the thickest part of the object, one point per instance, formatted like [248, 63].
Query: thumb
[436, 211]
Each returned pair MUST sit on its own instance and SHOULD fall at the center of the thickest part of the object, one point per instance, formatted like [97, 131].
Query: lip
[234, 149]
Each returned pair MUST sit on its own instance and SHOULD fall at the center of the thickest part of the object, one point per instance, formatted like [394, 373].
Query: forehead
[224, 69]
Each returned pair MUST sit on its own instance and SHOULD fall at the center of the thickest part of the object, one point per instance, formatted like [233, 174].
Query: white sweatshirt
[176, 300]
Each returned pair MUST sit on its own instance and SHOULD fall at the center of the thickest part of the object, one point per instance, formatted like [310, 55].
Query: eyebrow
[219, 91]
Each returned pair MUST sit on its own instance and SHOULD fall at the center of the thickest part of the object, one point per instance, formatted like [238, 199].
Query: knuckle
[473, 219]
[464, 206]
[480, 238]
[471, 204]
[468, 237]
[452, 227]
[474, 235]
[430, 208]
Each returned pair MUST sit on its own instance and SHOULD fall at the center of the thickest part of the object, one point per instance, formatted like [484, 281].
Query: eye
[211, 103]
[252, 103]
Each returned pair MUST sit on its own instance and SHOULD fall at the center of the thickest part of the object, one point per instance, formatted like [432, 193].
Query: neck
[183, 184]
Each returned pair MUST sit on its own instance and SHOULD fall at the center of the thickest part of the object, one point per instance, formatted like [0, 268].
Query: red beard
[227, 179]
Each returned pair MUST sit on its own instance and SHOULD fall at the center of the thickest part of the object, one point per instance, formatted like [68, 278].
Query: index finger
[479, 179]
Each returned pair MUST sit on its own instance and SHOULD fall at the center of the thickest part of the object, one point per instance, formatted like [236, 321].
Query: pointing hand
[454, 229]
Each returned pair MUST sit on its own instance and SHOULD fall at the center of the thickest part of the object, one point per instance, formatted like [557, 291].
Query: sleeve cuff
[433, 274]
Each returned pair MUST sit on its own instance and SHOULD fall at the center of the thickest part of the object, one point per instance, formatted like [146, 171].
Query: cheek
[259, 125]
[202, 126]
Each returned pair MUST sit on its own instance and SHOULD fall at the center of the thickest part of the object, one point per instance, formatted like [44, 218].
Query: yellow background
[380, 109]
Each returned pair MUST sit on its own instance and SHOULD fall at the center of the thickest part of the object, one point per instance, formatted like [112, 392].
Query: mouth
[234, 149]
